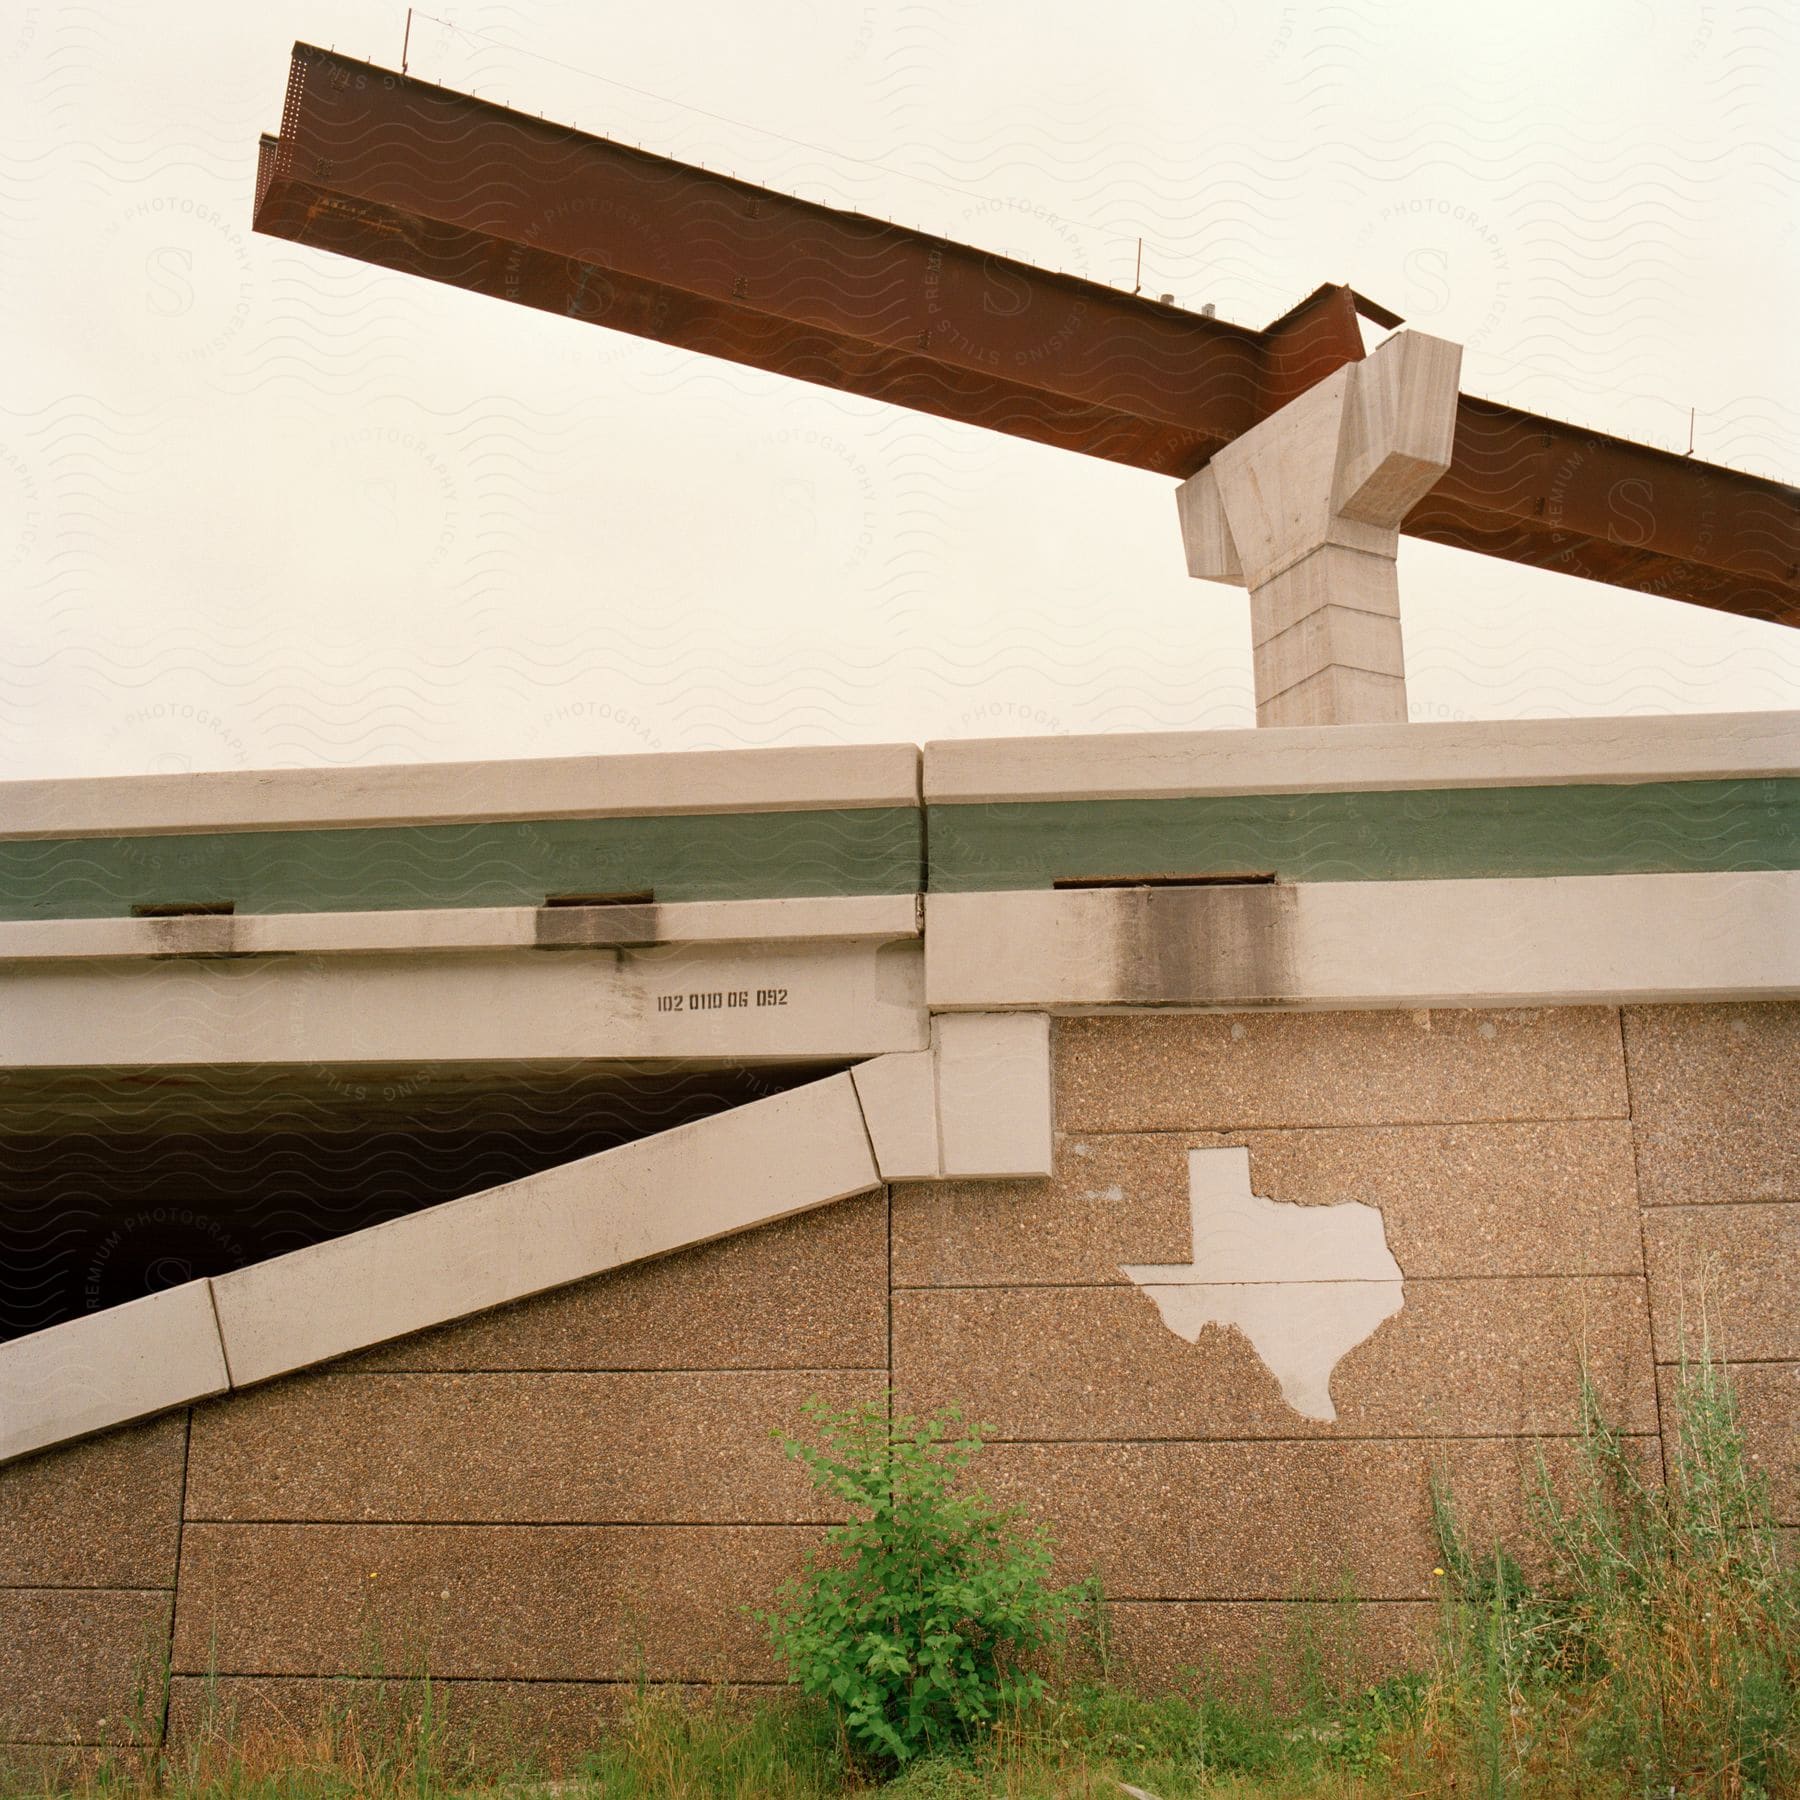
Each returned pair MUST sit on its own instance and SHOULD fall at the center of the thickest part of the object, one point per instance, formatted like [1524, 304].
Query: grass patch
[666, 1746]
[1652, 1652]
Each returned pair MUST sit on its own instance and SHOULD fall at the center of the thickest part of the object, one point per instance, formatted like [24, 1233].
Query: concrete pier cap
[1305, 509]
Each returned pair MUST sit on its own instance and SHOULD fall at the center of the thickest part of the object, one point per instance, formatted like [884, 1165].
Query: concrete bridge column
[1304, 510]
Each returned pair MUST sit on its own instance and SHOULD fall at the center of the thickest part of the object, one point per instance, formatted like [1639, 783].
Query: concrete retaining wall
[548, 1500]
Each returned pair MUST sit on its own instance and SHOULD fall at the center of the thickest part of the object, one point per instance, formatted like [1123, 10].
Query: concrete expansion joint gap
[887, 1291]
[212, 1300]
[862, 1118]
[181, 1505]
[1634, 1135]
[924, 813]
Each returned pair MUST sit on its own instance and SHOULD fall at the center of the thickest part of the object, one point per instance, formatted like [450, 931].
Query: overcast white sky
[260, 506]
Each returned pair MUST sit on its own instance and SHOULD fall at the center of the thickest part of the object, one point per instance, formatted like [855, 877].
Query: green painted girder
[713, 856]
[1413, 835]
[1429, 834]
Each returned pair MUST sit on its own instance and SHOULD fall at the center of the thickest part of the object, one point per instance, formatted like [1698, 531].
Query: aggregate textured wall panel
[1460, 1359]
[1259, 1645]
[501, 1602]
[1223, 1071]
[80, 1665]
[1768, 1396]
[105, 1512]
[1727, 1272]
[89, 1538]
[514, 1722]
[1528, 1198]
[1715, 1102]
[1264, 1521]
[805, 1293]
[552, 1497]
[550, 1446]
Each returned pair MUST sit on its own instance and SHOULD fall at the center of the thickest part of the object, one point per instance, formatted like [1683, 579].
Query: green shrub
[918, 1620]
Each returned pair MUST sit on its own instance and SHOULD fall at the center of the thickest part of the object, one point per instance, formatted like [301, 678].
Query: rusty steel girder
[393, 171]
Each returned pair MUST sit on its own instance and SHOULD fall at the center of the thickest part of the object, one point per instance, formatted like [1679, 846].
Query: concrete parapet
[109, 1368]
[800, 779]
[724, 1174]
[1325, 759]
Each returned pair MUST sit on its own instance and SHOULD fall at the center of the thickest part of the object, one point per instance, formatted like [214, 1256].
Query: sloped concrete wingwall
[549, 1501]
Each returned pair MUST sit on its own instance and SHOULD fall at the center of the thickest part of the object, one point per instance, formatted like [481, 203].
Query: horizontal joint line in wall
[80, 1587]
[516, 1524]
[1265, 1600]
[596, 1369]
[414, 1524]
[1707, 1206]
[334, 1676]
[1126, 1287]
[70, 1744]
[1337, 1437]
[1457, 1124]
[1268, 1600]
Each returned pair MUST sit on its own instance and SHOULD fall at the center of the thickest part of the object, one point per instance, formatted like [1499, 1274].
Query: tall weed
[1661, 1642]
